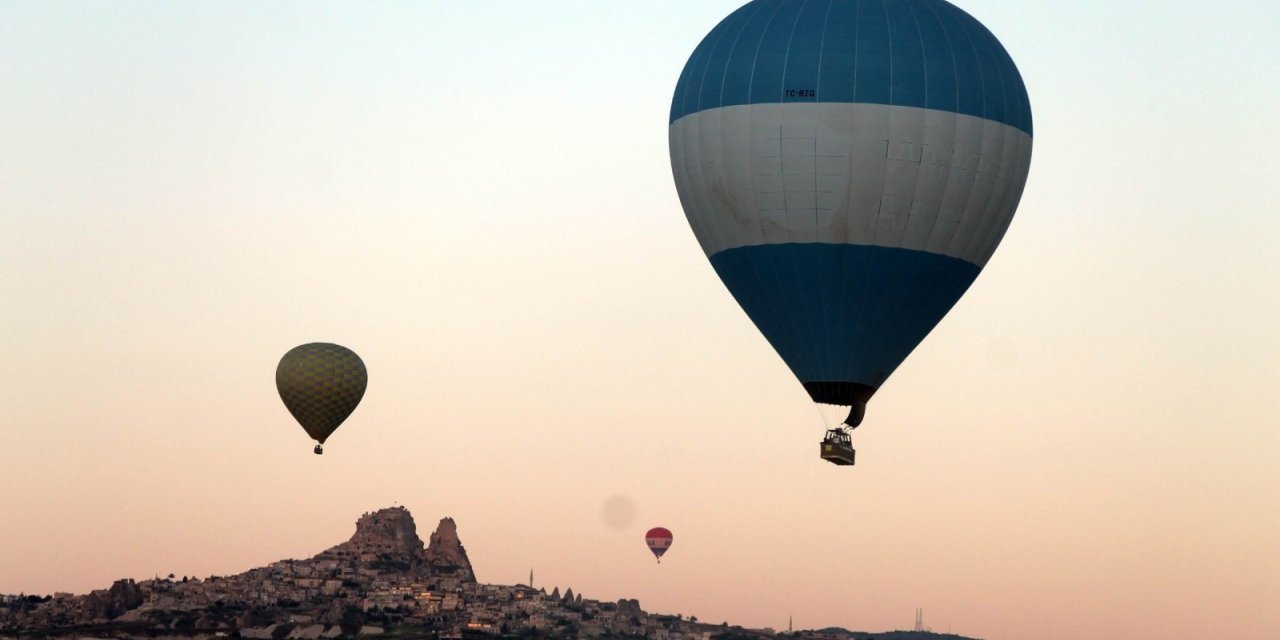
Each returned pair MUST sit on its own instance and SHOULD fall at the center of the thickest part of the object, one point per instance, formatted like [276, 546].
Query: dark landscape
[384, 582]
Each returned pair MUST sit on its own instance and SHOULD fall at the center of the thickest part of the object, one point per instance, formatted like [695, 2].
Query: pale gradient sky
[476, 197]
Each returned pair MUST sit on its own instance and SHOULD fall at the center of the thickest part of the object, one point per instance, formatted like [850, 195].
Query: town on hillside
[382, 582]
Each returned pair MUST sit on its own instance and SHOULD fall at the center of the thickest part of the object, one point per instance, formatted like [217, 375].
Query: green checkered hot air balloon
[321, 384]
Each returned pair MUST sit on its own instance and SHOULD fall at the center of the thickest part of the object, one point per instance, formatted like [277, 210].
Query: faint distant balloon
[659, 540]
[619, 511]
[321, 384]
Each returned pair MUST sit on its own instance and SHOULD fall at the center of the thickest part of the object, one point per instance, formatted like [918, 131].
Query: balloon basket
[837, 448]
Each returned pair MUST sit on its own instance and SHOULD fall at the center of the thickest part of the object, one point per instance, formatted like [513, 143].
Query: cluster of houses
[319, 592]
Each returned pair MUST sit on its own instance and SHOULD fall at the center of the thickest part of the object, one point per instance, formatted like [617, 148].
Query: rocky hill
[383, 580]
[387, 540]
[383, 565]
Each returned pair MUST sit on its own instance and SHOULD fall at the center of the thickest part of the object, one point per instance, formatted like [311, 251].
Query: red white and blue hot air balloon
[659, 540]
[849, 167]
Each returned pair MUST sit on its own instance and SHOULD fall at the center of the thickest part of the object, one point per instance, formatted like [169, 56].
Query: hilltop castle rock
[387, 540]
[389, 529]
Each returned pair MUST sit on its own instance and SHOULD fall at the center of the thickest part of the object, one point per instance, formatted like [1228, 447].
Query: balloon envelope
[848, 168]
[321, 384]
[659, 540]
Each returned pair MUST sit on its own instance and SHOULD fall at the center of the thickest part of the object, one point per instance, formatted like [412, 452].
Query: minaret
[530, 577]
[789, 629]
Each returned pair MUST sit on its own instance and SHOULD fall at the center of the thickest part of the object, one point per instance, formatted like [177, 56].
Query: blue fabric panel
[768, 61]
[916, 53]
[721, 44]
[940, 71]
[968, 67]
[872, 63]
[735, 87]
[908, 84]
[843, 313]
[804, 53]
[838, 56]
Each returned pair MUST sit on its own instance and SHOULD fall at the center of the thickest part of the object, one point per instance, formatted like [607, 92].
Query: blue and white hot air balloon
[849, 166]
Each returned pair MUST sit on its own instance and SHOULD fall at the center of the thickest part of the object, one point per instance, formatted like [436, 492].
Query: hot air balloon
[321, 384]
[848, 167]
[659, 540]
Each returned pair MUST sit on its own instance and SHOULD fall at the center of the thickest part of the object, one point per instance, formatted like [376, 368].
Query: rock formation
[445, 554]
[105, 604]
[385, 540]
[390, 529]
[630, 607]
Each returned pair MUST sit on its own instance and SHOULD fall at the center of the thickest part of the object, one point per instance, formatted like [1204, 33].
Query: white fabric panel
[849, 174]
